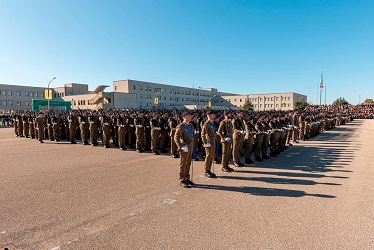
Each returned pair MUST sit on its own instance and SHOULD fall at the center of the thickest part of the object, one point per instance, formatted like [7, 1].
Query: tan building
[139, 94]
[14, 97]
[273, 101]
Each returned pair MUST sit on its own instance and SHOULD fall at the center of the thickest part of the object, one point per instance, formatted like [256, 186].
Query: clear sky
[244, 47]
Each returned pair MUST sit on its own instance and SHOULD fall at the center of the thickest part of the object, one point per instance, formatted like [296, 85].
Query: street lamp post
[210, 104]
[48, 90]
[162, 90]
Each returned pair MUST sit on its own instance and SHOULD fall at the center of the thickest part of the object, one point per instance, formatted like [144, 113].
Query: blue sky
[245, 47]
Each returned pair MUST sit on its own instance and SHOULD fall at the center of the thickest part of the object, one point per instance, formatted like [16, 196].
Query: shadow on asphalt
[324, 156]
[264, 191]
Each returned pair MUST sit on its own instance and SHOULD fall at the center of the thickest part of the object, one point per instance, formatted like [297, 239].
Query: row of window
[172, 91]
[10, 103]
[253, 100]
[18, 93]
[81, 102]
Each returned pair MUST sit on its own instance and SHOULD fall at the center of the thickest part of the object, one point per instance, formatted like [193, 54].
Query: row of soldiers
[232, 134]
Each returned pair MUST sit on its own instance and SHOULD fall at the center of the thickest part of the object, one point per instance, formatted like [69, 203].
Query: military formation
[213, 136]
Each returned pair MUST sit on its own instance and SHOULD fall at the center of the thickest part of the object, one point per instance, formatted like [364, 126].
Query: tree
[369, 101]
[340, 101]
[300, 104]
[247, 105]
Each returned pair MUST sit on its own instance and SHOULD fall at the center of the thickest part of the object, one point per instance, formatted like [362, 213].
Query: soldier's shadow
[260, 191]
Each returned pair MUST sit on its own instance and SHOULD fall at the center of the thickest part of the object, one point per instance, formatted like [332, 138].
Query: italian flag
[321, 82]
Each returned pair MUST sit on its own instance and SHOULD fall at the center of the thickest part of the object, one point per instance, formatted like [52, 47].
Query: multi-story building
[273, 101]
[139, 94]
[14, 97]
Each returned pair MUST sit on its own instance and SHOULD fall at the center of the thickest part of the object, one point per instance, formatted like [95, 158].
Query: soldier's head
[239, 113]
[227, 114]
[140, 113]
[210, 114]
[186, 116]
[165, 114]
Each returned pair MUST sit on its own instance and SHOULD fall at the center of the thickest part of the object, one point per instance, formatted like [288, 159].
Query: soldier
[84, 127]
[25, 121]
[49, 127]
[302, 127]
[225, 131]
[40, 124]
[147, 133]
[73, 124]
[164, 131]
[274, 136]
[184, 138]
[208, 137]
[20, 124]
[261, 132]
[94, 127]
[196, 128]
[122, 124]
[106, 123]
[238, 138]
[173, 123]
[266, 139]
[131, 130]
[295, 123]
[139, 131]
[155, 133]
[115, 129]
[249, 139]
[31, 126]
[56, 127]
[16, 123]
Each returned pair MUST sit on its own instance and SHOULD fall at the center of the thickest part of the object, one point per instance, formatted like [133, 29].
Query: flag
[321, 82]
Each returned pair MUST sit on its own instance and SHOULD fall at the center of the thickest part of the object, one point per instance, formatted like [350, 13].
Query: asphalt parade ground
[318, 194]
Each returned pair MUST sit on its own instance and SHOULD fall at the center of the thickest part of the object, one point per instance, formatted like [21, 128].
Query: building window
[240, 100]
[141, 87]
[4, 93]
[18, 93]
[36, 94]
[9, 93]
[4, 103]
[31, 94]
[157, 89]
[27, 93]
[69, 93]
[63, 94]
[289, 105]
[10, 103]
[141, 96]
[115, 87]
[235, 100]
[134, 87]
[18, 103]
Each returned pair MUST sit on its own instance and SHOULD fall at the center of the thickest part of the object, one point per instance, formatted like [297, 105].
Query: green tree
[340, 101]
[369, 101]
[301, 104]
[247, 105]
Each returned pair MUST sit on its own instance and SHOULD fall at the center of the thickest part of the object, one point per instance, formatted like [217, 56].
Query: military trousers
[185, 163]
[226, 151]
[238, 140]
[209, 156]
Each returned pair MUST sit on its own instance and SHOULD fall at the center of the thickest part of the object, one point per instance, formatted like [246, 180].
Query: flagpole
[320, 87]
[325, 94]
[317, 97]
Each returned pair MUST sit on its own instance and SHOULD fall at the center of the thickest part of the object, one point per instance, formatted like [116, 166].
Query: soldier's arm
[221, 129]
[178, 137]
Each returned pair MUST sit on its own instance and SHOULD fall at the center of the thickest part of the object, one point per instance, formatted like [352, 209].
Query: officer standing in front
[183, 137]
